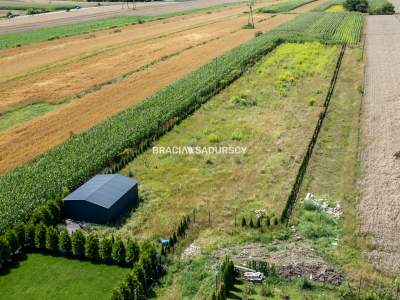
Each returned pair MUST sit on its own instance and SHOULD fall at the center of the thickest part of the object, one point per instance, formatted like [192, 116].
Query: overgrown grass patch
[274, 133]
[334, 171]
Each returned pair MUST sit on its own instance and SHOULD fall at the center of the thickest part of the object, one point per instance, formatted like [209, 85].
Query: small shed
[101, 199]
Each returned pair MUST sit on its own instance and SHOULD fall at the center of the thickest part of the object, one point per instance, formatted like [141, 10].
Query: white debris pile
[260, 213]
[324, 205]
[73, 226]
[191, 251]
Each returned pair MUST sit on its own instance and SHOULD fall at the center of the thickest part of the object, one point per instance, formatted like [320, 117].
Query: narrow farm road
[380, 153]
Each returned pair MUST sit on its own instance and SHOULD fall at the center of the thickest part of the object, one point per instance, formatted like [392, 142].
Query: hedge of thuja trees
[147, 266]
[41, 235]
[47, 239]
[227, 282]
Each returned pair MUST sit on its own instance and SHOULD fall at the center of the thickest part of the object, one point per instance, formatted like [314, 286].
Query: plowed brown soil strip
[380, 188]
[24, 142]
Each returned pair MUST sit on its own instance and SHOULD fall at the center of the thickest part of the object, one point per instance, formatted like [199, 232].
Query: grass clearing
[48, 277]
[275, 129]
[333, 172]
[24, 114]
[284, 7]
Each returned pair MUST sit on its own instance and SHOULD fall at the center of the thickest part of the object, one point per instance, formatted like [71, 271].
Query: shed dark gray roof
[103, 190]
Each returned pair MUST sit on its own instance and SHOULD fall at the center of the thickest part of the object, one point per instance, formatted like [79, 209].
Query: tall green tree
[19, 230]
[40, 236]
[92, 247]
[5, 251]
[118, 252]
[12, 240]
[51, 239]
[64, 243]
[30, 235]
[132, 252]
[105, 249]
[78, 243]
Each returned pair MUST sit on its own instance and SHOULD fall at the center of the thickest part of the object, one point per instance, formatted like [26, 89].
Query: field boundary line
[291, 201]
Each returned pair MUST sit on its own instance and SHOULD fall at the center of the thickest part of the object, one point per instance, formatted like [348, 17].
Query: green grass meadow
[58, 278]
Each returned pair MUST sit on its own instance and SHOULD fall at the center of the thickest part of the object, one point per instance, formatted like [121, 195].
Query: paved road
[97, 13]
[380, 197]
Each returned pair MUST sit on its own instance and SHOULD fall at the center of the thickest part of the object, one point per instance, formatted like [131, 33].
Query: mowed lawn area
[48, 277]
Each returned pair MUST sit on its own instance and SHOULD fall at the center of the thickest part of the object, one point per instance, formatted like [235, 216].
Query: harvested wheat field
[190, 48]
[65, 80]
[380, 201]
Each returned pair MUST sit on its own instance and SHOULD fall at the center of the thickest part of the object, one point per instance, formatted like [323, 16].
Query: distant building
[102, 199]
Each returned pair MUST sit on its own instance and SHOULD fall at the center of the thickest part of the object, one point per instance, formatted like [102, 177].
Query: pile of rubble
[191, 251]
[324, 205]
[317, 271]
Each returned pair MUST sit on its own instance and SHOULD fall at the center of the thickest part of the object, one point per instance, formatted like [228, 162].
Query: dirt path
[380, 198]
[97, 13]
[24, 142]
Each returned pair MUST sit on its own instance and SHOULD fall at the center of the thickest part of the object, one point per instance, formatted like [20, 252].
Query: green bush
[118, 252]
[309, 205]
[132, 252]
[40, 236]
[78, 243]
[305, 284]
[19, 230]
[51, 239]
[64, 243]
[5, 251]
[12, 240]
[105, 249]
[30, 235]
[213, 138]
[92, 247]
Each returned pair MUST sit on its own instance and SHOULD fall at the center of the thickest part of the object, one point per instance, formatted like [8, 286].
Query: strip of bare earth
[380, 201]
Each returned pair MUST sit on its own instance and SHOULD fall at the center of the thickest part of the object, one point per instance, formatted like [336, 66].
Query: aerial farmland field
[200, 150]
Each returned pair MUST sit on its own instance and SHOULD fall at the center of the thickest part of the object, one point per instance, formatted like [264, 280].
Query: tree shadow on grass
[13, 263]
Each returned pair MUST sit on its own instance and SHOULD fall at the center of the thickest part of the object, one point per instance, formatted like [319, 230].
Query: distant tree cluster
[356, 5]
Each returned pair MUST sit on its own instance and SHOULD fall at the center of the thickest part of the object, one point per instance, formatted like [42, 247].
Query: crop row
[70, 164]
[284, 7]
[324, 6]
[326, 27]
